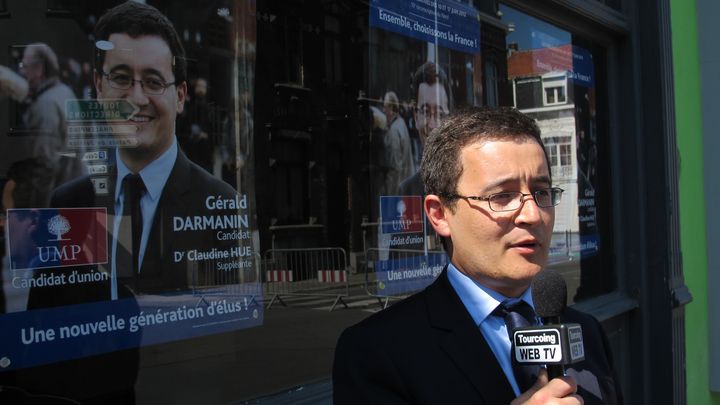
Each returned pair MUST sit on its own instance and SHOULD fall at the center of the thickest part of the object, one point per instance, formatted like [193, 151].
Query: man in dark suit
[169, 205]
[433, 102]
[167, 218]
[490, 197]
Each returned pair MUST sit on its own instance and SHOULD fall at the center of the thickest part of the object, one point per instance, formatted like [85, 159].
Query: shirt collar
[154, 175]
[480, 300]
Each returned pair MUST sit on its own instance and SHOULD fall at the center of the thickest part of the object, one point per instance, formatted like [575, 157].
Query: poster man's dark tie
[516, 316]
[130, 232]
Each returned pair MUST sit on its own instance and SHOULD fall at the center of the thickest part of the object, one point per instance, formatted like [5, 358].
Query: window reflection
[553, 80]
[342, 106]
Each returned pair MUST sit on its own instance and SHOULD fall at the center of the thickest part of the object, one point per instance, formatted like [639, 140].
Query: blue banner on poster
[589, 245]
[401, 214]
[453, 25]
[50, 335]
[582, 72]
[402, 275]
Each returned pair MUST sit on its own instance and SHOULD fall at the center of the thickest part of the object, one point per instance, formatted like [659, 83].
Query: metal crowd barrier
[319, 272]
[226, 278]
[399, 260]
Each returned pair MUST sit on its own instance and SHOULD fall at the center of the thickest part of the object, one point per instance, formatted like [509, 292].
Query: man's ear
[436, 213]
[181, 95]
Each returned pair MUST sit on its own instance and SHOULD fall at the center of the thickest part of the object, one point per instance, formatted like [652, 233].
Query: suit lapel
[463, 342]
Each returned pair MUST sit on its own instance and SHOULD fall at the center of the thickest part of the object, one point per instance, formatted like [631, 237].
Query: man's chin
[527, 271]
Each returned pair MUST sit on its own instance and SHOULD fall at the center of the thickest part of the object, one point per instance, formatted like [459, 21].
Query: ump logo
[58, 226]
[41, 238]
[401, 214]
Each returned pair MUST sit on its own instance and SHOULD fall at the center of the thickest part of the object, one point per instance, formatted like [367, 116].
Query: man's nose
[137, 95]
[529, 212]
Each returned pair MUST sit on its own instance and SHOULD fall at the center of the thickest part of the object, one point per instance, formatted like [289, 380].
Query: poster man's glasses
[150, 85]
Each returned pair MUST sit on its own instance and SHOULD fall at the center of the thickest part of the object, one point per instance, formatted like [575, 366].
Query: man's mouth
[526, 245]
[141, 118]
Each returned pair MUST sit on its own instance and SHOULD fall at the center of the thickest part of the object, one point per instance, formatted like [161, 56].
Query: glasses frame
[438, 116]
[132, 83]
[522, 198]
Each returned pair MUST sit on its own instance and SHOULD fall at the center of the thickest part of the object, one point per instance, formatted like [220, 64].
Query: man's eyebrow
[542, 179]
[145, 71]
[508, 180]
[119, 67]
[153, 72]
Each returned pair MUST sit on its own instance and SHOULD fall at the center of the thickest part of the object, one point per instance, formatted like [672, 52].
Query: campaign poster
[399, 269]
[403, 274]
[421, 54]
[129, 198]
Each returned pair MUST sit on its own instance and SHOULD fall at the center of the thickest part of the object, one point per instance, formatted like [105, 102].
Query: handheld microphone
[553, 344]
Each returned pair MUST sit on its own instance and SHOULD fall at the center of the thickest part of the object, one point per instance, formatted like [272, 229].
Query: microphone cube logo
[537, 346]
[401, 214]
[575, 341]
[549, 344]
[48, 237]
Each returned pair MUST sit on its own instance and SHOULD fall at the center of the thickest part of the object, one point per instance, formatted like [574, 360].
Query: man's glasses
[150, 85]
[511, 201]
[435, 113]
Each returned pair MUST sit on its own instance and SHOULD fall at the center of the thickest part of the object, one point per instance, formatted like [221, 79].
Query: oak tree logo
[58, 226]
[401, 208]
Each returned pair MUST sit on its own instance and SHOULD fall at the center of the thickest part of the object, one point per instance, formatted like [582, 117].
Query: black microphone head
[549, 293]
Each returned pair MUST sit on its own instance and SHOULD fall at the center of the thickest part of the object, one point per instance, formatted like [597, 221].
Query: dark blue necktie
[519, 315]
[130, 231]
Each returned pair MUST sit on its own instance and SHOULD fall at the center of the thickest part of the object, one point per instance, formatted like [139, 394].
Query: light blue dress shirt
[154, 175]
[480, 302]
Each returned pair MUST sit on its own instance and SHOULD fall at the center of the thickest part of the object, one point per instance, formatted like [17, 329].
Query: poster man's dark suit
[428, 350]
[183, 196]
[110, 378]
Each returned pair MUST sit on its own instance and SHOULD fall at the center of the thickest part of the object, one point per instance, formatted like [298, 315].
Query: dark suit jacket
[184, 195]
[109, 378]
[428, 350]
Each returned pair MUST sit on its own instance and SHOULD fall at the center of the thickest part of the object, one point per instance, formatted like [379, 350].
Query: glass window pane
[569, 69]
[550, 94]
[565, 155]
[299, 127]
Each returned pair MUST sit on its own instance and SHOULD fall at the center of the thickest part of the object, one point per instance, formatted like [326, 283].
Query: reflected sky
[531, 33]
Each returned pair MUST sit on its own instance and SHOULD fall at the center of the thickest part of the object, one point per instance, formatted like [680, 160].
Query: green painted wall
[688, 116]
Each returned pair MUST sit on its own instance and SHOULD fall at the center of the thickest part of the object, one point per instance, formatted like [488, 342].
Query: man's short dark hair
[430, 73]
[441, 165]
[136, 19]
[33, 179]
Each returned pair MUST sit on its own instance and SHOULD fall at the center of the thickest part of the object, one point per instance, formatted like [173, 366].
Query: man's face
[432, 107]
[389, 113]
[502, 250]
[32, 68]
[142, 58]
